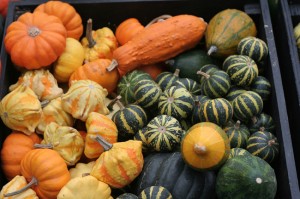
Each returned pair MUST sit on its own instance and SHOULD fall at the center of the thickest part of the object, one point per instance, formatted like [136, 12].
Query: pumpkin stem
[89, 33]
[170, 62]
[262, 128]
[237, 124]
[43, 146]
[254, 120]
[212, 49]
[85, 174]
[33, 181]
[200, 149]
[199, 72]
[106, 145]
[271, 142]
[158, 19]
[177, 71]
[112, 65]
[34, 31]
[115, 100]
[44, 103]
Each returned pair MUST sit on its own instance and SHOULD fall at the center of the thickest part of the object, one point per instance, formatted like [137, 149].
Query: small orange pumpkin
[35, 40]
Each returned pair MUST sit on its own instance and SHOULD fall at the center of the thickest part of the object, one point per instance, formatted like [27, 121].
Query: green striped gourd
[238, 135]
[147, 93]
[199, 101]
[176, 102]
[264, 145]
[296, 31]
[129, 119]
[216, 84]
[155, 192]
[246, 176]
[218, 111]
[237, 151]
[233, 92]
[261, 86]
[127, 83]
[247, 105]
[140, 136]
[191, 85]
[127, 196]
[253, 47]
[167, 79]
[185, 124]
[207, 68]
[163, 133]
[241, 69]
[262, 122]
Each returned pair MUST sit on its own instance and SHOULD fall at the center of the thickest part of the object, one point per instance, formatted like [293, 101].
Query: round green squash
[246, 176]
[155, 192]
[199, 101]
[177, 102]
[238, 135]
[253, 47]
[147, 93]
[208, 68]
[233, 92]
[225, 30]
[241, 69]
[166, 79]
[247, 105]
[163, 133]
[126, 85]
[140, 136]
[264, 145]
[218, 111]
[170, 171]
[262, 122]
[238, 151]
[261, 86]
[189, 84]
[216, 84]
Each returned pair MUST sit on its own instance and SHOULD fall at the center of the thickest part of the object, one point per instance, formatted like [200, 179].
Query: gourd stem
[212, 49]
[271, 142]
[254, 120]
[170, 62]
[237, 124]
[44, 103]
[43, 146]
[106, 145]
[112, 65]
[199, 72]
[177, 71]
[33, 181]
[89, 33]
[262, 128]
[85, 174]
[111, 104]
[200, 149]
[158, 19]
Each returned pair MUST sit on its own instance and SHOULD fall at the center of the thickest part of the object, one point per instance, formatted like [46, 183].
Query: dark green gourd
[208, 68]
[233, 92]
[262, 86]
[155, 192]
[147, 93]
[262, 122]
[238, 151]
[199, 101]
[238, 135]
[167, 79]
[189, 84]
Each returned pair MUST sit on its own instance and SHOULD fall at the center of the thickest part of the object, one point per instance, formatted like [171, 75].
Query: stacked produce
[147, 110]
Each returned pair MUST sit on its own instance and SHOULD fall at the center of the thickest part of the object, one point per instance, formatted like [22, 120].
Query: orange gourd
[67, 14]
[46, 172]
[127, 30]
[153, 70]
[96, 71]
[35, 40]
[14, 148]
[155, 44]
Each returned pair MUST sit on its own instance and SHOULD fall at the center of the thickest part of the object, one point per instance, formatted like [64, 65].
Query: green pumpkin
[238, 135]
[199, 101]
[261, 86]
[233, 92]
[191, 85]
[264, 145]
[247, 105]
[163, 133]
[237, 151]
[241, 69]
[176, 102]
[208, 68]
[155, 192]
[246, 176]
[147, 93]
[218, 111]
[167, 79]
[253, 47]
[216, 84]
[262, 122]
[127, 83]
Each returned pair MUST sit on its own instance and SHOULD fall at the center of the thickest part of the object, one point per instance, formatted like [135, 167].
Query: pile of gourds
[141, 106]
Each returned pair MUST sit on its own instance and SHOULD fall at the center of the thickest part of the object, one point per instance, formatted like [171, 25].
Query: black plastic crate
[111, 12]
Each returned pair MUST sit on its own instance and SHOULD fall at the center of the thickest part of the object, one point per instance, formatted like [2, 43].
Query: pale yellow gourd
[81, 169]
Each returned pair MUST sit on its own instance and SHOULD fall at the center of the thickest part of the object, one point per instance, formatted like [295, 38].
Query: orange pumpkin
[67, 14]
[96, 71]
[14, 148]
[35, 40]
[153, 70]
[127, 30]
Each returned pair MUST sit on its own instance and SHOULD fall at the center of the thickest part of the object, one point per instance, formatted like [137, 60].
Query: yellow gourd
[81, 169]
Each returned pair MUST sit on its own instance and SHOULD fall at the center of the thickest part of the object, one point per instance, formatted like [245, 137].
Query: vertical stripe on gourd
[233, 92]
[147, 93]
[262, 122]
[167, 79]
[247, 105]
[218, 111]
[163, 133]
[261, 86]
[155, 192]
[191, 85]
[241, 69]
[176, 102]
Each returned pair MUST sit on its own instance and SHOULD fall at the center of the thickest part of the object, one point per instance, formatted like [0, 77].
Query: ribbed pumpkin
[247, 105]
[237, 151]
[129, 119]
[66, 13]
[261, 86]
[253, 47]
[120, 164]
[262, 122]
[241, 69]
[189, 84]
[14, 148]
[226, 29]
[98, 124]
[96, 71]
[127, 29]
[199, 101]
[69, 60]
[205, 147]
[215, 84]
[39, 32]
[163, 133]
[238, 134]
[264, 145]
[233, 92]
[157, 192]
[84, 97]
[177, 102]
[21, 110]
[127, 83]
[218, 111]
[167, 79]
[147, 93]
